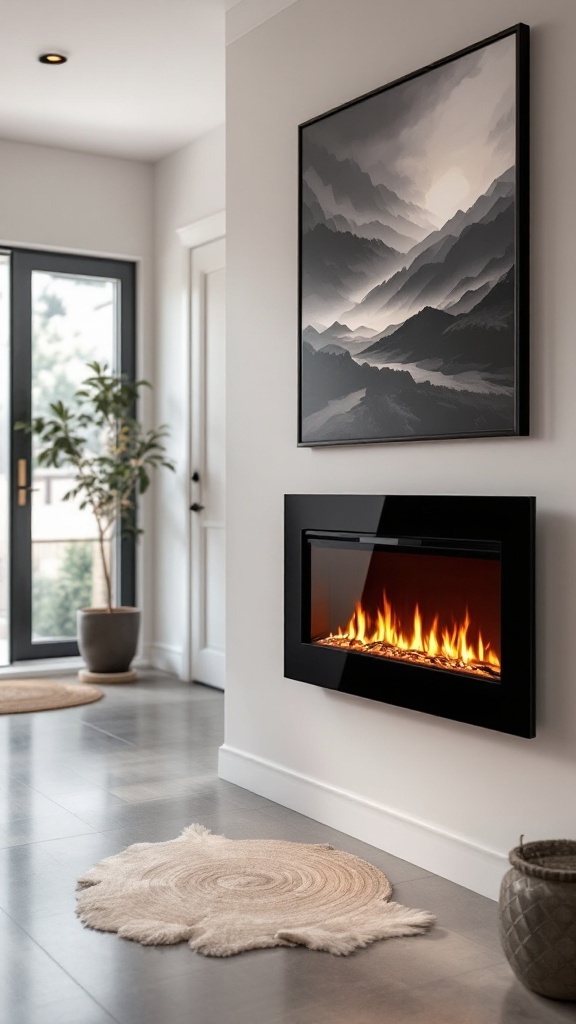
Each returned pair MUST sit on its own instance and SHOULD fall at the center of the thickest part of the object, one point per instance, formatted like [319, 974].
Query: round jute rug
[223, 896]
[21, 695]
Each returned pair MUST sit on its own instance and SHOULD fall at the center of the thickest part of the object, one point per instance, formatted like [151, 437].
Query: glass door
[67, 311]
[4, 455]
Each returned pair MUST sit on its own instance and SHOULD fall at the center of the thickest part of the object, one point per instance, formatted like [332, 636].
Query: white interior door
[207, 488]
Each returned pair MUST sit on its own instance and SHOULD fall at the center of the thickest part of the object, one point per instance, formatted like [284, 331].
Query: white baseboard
[434, 849]
[167, 658]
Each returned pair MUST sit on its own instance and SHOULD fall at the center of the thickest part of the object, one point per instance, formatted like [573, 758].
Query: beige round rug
[21, 695]
[224, 896]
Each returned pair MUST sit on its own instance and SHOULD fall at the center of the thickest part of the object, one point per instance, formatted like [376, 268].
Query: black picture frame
[413, 287]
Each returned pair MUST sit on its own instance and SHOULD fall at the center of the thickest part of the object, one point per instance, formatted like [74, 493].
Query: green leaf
[102, 416]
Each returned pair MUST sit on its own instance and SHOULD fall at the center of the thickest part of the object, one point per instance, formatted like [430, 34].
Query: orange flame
[452, 648]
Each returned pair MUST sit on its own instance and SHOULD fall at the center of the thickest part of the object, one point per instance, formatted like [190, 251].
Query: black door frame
[23, 263]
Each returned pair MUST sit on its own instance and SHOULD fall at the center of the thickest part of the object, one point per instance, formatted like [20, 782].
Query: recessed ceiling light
[52, 58]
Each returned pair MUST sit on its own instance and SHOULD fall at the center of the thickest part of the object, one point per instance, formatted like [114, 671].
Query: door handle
[196, 507]
[22, 483]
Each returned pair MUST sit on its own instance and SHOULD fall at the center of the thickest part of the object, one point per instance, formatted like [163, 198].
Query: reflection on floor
[80, 784]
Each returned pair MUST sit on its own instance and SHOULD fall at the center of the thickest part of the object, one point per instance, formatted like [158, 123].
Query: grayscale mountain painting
[408, 257]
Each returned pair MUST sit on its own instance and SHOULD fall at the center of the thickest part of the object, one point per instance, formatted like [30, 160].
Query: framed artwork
[413, 263]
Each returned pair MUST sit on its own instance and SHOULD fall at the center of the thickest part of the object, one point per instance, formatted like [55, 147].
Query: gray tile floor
[83, 783]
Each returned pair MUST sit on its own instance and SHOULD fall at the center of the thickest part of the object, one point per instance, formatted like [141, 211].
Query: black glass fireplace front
[424, 602]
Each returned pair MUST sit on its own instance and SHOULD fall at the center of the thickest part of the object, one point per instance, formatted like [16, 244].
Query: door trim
[208, 229]
[191, 236]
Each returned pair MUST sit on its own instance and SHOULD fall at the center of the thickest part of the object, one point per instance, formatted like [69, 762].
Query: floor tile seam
[467, 938]
[133, 803]
[169, 704]
[194, 776]
[194, 816]
[155, 748]
[86, 778]
[10, 778]
[31, 878]
[63, 806]
[93, 999]
[61, 966]
[42, 916]
[38, 915]
[443, 979]
[405, 881]
[477, 942]
[181, 780]
[498, 961]
[263, 802]
[17, 820]
[111, 735]
[108, 1014]
[124, 828]
[177, 774]
[233, 815]
[198, 795]
[36, 842]
[63, 764]
[39, 817]
[211, 818]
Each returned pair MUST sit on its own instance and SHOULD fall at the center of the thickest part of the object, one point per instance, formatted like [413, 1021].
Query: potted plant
[99, 437]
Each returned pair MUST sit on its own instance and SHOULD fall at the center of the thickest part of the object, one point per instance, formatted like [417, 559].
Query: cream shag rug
[223, 896]
[18, 696]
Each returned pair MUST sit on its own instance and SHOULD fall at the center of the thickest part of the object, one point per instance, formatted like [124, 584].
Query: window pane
[4, 453]
[74, 321]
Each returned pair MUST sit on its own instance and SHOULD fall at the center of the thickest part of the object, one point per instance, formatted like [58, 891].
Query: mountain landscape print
[410, 245]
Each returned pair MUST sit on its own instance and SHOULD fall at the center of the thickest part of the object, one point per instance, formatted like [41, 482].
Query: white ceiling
[144, 77]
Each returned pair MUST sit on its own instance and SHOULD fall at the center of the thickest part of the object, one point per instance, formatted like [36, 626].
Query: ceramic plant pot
[108, 640]
[537, 914]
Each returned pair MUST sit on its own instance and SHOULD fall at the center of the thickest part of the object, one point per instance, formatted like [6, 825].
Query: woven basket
[538, 916]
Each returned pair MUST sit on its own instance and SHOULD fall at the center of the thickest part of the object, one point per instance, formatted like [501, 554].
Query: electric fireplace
[425, 602]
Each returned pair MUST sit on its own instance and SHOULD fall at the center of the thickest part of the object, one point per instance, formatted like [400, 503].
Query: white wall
[189, 185]
[451, 797]
[80, 203]
[77, 202]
